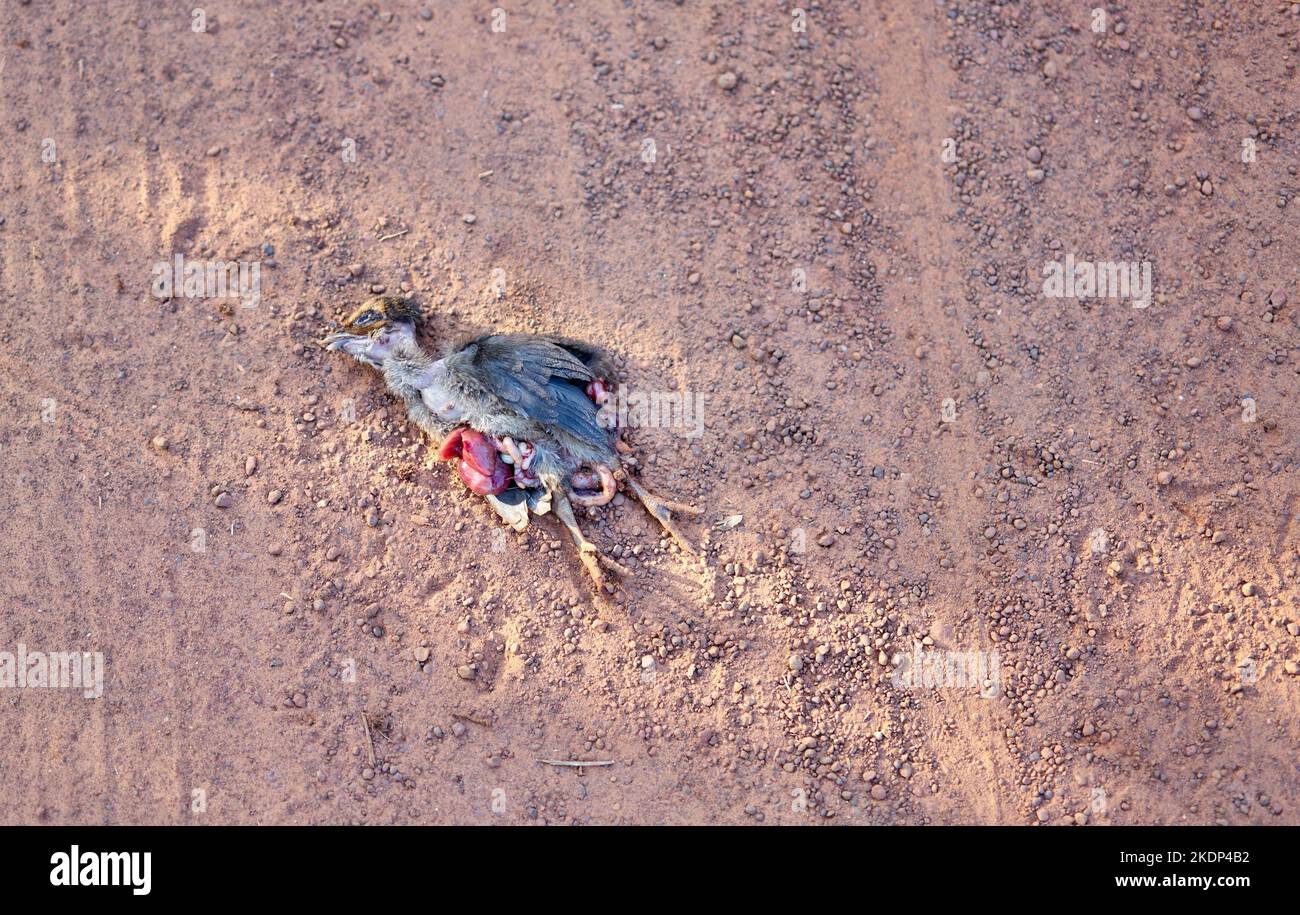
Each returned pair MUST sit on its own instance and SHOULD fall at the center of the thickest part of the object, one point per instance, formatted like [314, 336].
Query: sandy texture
[304, 623]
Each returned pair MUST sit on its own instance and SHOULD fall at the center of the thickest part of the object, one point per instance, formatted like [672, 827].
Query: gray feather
[531, 383]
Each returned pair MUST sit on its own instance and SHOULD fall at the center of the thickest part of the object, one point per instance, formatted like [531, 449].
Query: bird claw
[662, 510]
[609, 562]
[593, 560]
[592, 565]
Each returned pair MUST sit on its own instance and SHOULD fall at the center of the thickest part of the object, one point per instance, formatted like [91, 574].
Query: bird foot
[663, 510]
[597, 563]
[609, 562]
[593, 560]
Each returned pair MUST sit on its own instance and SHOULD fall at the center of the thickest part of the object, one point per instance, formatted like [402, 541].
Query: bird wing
[533, 376]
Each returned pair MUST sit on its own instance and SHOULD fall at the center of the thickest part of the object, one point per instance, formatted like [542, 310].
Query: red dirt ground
[841, 228]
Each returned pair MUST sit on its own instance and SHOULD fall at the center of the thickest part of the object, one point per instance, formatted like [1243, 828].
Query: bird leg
[663, 510]
[592, 558]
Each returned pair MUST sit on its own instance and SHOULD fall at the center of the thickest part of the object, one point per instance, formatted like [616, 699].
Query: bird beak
[337, 340]
[357, 346]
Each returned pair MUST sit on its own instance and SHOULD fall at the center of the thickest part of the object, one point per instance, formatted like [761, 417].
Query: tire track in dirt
[33, 719]
[83, 565]
[84, 582]
[166, 655]
[914, 173]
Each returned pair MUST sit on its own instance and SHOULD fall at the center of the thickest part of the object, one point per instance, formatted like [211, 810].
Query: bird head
[375, 330]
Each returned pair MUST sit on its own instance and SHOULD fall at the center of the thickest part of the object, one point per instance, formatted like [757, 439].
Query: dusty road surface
[980, 547]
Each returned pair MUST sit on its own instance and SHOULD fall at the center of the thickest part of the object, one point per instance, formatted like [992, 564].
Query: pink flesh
[480, 468]
[478, 451]
[483, 471]
[484, 484]
[598, 478]
[451, 447]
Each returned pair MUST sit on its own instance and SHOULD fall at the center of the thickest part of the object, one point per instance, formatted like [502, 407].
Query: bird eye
[370, 317]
